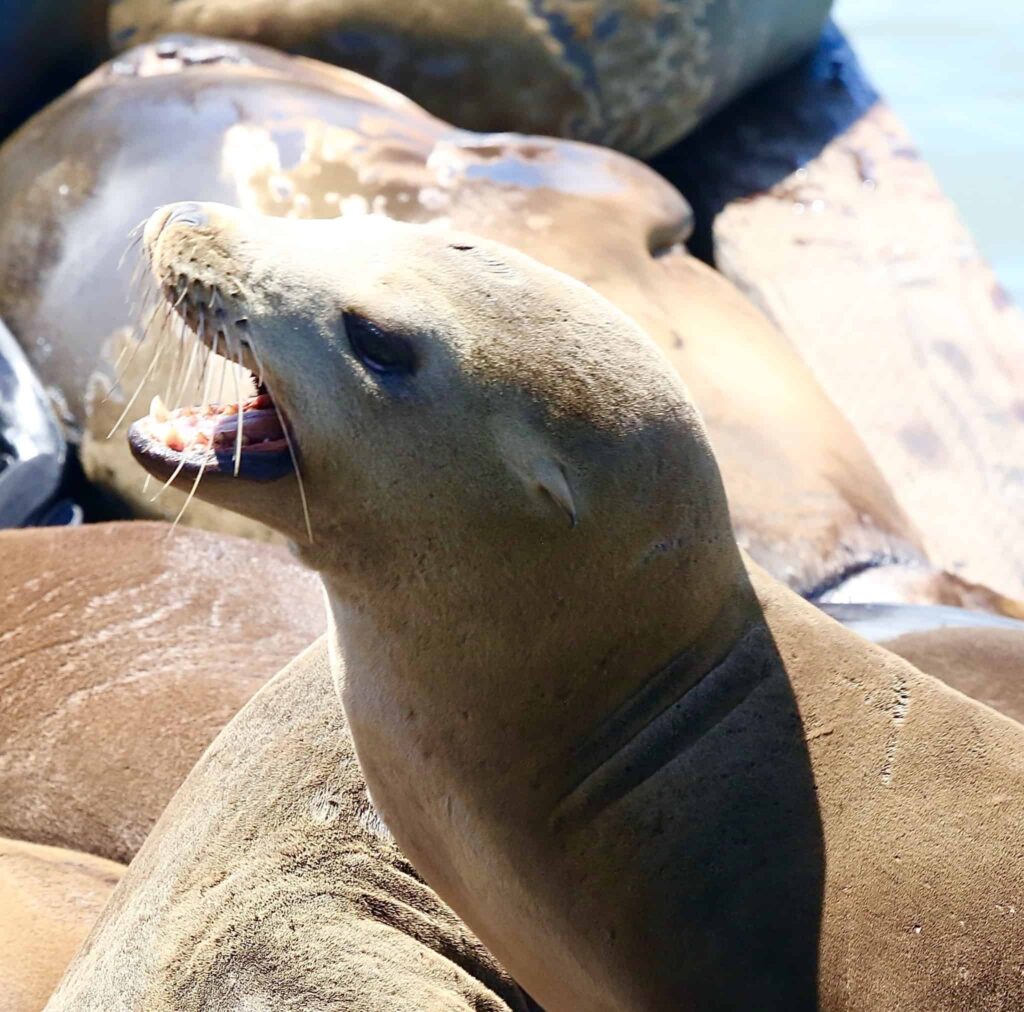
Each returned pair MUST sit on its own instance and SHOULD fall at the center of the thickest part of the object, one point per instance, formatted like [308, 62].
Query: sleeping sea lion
[122, 653]
[243, 125]
[985, 662]
[645, 779]
[980, 655]
[636, 76]
[49, 899]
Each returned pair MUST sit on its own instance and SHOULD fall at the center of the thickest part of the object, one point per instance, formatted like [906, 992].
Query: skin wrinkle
[668, 734]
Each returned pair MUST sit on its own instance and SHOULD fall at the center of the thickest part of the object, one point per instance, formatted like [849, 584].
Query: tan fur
[807, 501]
[123, 651]
[269, 882]
[49, 899]
[633, 75]
[645, 780]
[985, 664]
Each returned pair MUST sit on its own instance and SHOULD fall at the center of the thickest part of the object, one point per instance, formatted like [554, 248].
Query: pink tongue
[257, 426]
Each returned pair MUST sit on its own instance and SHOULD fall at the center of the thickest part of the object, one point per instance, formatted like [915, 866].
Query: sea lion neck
[587, 664]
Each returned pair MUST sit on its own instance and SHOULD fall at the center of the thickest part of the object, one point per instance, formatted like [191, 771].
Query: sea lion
[635, 76]
[122, 653]
[270, 883]
[49, 899]
[986, 664]
[622, 760]
[243, 125]
[980, 655]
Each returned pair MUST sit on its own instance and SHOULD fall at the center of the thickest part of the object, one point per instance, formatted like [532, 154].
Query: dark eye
[381, 351]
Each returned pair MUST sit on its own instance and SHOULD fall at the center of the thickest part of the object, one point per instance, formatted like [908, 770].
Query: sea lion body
[49, 900]
[270, 882]
[242, 125]
[644, 779]
[636, 76]
[986, 664]
[123, 652]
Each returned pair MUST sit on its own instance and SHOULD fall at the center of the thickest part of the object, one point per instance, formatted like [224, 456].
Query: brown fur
[645, 780]
[49, 899]
[269, 882]
[122, 653]
[631, 75]
[985, 664]
[807, 501]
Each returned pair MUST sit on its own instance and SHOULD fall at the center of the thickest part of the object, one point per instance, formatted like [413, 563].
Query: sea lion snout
[186, 212]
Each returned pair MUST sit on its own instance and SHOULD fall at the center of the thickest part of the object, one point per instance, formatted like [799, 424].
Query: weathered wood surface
[812, 197]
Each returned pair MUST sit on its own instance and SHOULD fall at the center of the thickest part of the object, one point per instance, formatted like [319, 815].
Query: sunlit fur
[645, 779]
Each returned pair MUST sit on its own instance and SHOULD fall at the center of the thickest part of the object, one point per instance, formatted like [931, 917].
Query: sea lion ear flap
[541, 473]
[550, 481]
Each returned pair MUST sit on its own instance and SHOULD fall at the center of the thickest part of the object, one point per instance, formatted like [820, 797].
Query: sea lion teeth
[172, 438]
[158, 410]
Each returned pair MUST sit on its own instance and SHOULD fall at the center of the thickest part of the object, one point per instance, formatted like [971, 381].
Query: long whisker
[259, 361]
[191, 493]
[134, 238]
[236, 368]
[176, 364]
[122, 371]
[205, 373]
[210, 453]
[138, 390]
[255, 355]
[137, 270]
[288, 441]
[174, 474]
[196, 345]
[224, 364]
[298, 472]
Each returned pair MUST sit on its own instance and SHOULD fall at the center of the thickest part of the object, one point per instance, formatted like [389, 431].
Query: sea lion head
[451, 405]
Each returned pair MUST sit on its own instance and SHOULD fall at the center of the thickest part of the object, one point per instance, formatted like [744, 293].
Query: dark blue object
[32, 448]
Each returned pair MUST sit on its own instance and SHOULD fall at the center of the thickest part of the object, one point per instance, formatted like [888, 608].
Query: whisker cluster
[194, 358]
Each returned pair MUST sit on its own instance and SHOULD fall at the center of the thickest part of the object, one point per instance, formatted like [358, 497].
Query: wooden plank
[811, 196]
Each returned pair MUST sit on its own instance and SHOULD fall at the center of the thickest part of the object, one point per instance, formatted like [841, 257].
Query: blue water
[954, 72]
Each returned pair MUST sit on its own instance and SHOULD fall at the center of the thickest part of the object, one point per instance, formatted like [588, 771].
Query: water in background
[954, 72]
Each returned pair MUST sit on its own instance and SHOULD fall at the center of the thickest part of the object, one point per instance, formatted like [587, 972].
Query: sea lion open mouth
[246, 438]
[188, 438]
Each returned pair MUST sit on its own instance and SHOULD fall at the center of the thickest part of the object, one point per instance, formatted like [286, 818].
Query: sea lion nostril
[187, 213]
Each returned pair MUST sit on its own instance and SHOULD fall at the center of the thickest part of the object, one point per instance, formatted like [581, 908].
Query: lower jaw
[163, 462]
